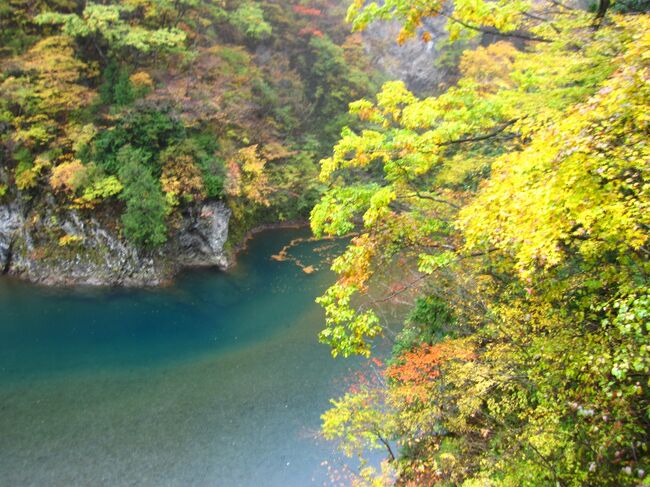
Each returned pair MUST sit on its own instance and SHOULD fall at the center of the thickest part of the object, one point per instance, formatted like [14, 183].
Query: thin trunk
[387, 445]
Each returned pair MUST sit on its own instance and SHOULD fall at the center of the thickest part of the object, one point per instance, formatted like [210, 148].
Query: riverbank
[242, 244]
[51, 245]
[89, 251]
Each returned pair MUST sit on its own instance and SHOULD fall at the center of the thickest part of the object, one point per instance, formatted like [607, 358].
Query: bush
[150, 131]
[144, 217]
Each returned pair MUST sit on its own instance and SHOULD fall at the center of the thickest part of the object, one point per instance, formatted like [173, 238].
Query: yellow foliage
[27, 176]
[57, 73]
[247, 176]
[490, 66]
[580, 183]
[141, 79]
[181, 177]
[68, 240]
[68, 176]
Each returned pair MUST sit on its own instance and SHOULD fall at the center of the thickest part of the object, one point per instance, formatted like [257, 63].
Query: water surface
[217, 380]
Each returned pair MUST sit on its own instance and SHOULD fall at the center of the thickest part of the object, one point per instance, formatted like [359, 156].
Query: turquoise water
[217, 380]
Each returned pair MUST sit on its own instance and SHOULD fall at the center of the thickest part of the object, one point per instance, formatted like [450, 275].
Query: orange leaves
[141, 79]
[68, 176]
[310, 31]
[248, 175]
[490, 66]
[233, 180]
[182, 177]
[421, 366]
[310, 12]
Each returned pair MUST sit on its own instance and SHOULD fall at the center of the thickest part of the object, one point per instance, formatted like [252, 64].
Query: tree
[185, 85]
[144, 216]
[249, 18]
[519, 196]
[105, 25]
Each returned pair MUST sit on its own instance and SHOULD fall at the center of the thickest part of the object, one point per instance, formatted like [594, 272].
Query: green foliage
[334, 213]
[632, 314]
[144, 217]
[520, 197]
[203, 149]
[148, 130]
[333, 84]
[117, 88]
[184, 85]
[107, 24]
[346, 329]
[430, 320]
[625, 6]
[100, 190]
[249, 19]
[433, 315]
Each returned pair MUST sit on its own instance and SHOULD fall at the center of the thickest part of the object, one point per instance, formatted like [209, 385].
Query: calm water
[218, 380]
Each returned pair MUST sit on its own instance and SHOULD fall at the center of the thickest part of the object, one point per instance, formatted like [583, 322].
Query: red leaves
[308, 12]
[310, 31]
[311, 12]
[421, 366]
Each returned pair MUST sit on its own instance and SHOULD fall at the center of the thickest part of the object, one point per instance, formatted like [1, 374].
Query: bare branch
[479, 138]
[432, 198]
[496, 32]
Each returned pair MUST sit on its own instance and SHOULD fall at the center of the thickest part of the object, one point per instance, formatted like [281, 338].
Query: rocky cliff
[415, 62]
[52, 246]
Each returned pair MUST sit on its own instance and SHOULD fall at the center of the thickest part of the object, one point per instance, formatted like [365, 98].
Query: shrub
[144, 217]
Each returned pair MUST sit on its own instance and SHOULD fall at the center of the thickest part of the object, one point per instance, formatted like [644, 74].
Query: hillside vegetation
[140, 108]
[510, 210]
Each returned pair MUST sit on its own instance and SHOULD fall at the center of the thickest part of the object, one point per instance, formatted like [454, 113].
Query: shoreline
[166, 280]
[250, 234]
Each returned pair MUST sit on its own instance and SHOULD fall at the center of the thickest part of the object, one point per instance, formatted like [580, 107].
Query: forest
[508, 209]
[137, 110]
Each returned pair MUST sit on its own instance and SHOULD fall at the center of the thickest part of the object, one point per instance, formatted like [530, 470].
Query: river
[216, 380]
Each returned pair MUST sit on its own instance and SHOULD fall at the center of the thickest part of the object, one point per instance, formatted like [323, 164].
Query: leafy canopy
[519, 197]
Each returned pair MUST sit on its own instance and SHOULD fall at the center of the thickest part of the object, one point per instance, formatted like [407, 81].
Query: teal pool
[217, 380]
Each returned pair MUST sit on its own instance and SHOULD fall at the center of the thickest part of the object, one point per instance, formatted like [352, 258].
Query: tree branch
[542, 19]
[402, 289]
[479, 138]
[493, 31]
[387, 445]
[432, 198]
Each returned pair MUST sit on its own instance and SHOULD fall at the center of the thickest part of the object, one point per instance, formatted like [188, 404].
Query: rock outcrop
[63, 247]
[203, 235]
[415, 62]
[11, 222]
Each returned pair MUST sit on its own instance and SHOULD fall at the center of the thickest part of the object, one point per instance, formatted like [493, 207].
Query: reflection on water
[218, 380]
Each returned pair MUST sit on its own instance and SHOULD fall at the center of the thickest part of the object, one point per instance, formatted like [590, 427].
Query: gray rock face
[414, 62]
[93, 253]
[203, 236]
[11, 220]
[96, 257]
